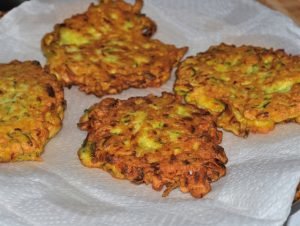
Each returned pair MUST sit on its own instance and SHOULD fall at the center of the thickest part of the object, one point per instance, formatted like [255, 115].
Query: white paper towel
[263, 170]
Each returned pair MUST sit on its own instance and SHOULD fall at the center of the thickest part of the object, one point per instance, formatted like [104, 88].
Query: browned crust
[247, 88]
[31, 110]
[154, 140]
[114, 50]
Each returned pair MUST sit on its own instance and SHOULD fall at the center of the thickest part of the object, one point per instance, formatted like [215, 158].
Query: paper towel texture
[263, 170]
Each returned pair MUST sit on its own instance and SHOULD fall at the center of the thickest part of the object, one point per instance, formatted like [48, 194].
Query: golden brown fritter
[249, 89]
[2, 14]
[297, 195]
[154, 140]
[108, 49]
[31, 110]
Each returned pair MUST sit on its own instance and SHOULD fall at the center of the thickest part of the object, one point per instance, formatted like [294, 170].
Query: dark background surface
[6, 5]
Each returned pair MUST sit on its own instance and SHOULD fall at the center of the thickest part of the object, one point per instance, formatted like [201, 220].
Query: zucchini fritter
[154, 140]
[249, 89]
[297, 194]
[108, 49]
[31, 110]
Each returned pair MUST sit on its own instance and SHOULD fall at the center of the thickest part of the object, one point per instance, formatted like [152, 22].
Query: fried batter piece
[297, 195]
[31, 110]
[154, 140]
[108, 49]
[248, 89]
